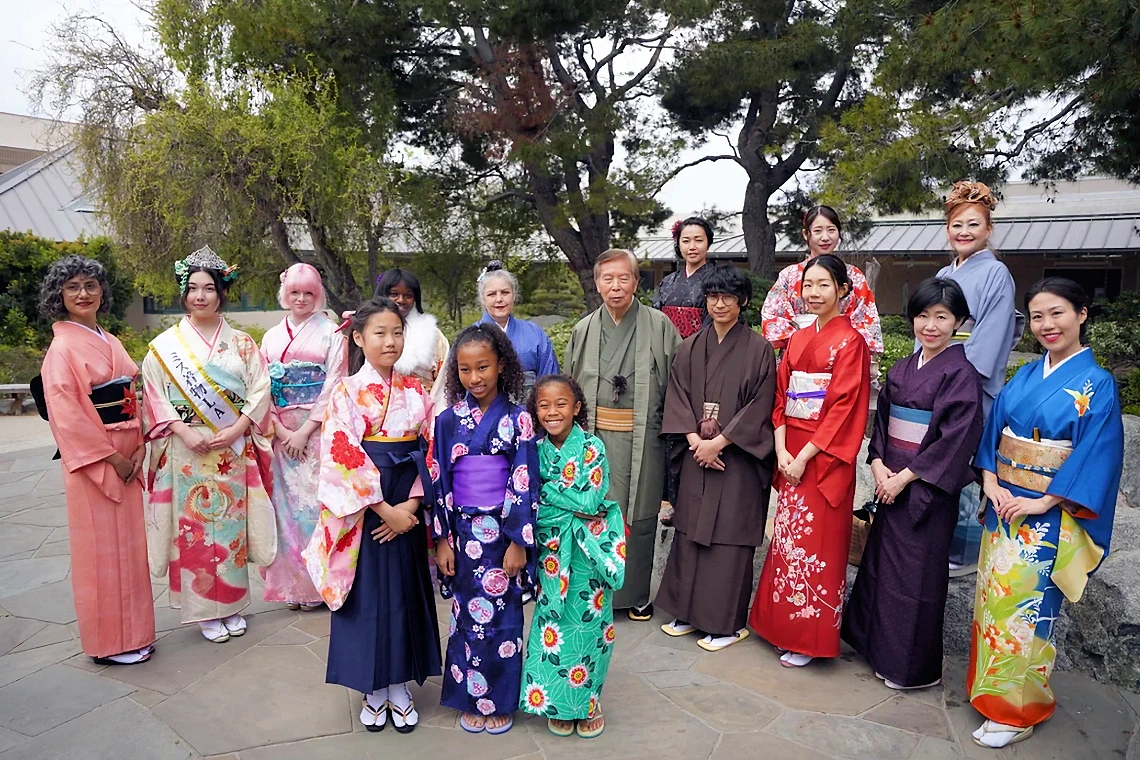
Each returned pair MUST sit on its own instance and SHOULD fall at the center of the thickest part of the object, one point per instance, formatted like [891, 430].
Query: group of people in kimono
[529, 484]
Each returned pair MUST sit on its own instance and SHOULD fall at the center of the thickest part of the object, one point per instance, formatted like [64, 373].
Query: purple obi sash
[480, 480]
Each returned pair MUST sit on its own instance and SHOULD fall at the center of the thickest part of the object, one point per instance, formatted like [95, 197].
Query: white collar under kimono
[1048, 369]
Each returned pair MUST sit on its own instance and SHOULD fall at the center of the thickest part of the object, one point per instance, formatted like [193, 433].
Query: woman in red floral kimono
[822, 393]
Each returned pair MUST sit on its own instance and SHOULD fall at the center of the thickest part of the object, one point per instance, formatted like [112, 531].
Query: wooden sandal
[378, 716]
[404, 720]
[588, 734]
[560, 731]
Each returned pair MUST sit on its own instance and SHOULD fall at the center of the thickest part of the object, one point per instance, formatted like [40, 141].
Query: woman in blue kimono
[498, 292]
[484, 526]
[1051, 458]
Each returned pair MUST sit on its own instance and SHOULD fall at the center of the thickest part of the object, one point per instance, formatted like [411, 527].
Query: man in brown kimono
[620, 355]
[718, 415]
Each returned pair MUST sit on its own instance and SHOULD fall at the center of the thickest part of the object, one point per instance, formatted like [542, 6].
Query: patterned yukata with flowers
[483, 667]
[783, 304]
[1028, 566]
[581, 548]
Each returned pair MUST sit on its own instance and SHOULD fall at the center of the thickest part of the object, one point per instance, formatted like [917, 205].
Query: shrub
[559, 336]
[896, 325]
[24, 262]
[895, 347]
[1130, 392]
[19, 364]
[751, 313]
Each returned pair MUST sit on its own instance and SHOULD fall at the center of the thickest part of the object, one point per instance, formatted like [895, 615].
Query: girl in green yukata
[581, 562]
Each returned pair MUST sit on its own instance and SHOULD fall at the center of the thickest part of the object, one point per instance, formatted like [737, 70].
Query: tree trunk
[569, 240]
[759, 235]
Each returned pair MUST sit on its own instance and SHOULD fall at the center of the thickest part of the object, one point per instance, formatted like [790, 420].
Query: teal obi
[296, 383]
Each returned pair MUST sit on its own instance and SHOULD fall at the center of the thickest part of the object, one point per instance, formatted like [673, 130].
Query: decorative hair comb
[492, 266]
[205, 258]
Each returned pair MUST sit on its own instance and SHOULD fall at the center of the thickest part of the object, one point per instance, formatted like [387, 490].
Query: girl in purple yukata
[484, 526]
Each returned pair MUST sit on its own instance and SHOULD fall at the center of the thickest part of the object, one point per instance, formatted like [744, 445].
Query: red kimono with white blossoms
[799, 602]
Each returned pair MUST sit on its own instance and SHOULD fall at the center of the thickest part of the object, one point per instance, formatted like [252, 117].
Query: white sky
[27, 31]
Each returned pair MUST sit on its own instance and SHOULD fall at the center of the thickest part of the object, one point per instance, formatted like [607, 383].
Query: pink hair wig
[302, 277]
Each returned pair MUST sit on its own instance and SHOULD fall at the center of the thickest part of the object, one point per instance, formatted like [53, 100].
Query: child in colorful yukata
[484, 526]
[581, 539]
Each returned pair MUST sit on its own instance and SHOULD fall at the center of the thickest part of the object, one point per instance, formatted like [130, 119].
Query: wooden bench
[18, 391]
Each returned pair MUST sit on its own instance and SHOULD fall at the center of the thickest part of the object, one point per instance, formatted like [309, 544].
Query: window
[1098, 283]
[152, 305]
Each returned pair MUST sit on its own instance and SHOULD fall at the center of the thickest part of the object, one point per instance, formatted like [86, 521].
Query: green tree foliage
[975, 90]
[24, 263]
[778, 74]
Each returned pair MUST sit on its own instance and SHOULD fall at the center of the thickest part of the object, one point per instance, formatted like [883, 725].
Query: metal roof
[45, 197]
[1068, 235]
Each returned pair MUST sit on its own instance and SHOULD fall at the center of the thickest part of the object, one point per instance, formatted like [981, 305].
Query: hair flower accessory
[205, 258]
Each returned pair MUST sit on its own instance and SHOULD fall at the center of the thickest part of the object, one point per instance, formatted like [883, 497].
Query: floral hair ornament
[205, 258]
[677, 227]
[492, 266]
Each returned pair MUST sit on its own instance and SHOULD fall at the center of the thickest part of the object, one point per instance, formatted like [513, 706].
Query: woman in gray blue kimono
[990, 334]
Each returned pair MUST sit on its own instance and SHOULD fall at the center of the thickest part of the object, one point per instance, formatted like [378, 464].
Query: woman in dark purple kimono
[927, 427]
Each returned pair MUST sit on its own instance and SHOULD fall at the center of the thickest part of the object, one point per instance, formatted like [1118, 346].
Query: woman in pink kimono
[89, 399]
[306, 358]
[206, 408]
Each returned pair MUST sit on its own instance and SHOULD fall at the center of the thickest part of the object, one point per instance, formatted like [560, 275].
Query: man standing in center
[620, 354]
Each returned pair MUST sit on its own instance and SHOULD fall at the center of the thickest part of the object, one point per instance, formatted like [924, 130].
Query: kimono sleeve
[601, 539]
[522, 486]
[1090, 477]
[783, 377]
[991, 337]
[844, 414]
[547, 361]
[443, 514]
[336, 364]
[864, 313]
[750, 428]
[79, 433]
[955, 429]
[877, 446]
[583, 489]
[778, 313]
[157, 411]
[568, 362]
[678, 418]
[257, 395]
[349, 481]
[986, 458]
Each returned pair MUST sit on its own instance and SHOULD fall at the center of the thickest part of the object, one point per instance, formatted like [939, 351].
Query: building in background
[23, 138]
[1087, 230]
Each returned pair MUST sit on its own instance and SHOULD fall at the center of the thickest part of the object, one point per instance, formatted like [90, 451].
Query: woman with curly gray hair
[88, 384]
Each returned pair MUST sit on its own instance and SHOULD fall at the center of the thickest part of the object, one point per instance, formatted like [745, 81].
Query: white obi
[806, 391]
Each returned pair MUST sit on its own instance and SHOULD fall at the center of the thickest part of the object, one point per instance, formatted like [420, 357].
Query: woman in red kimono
[822, 392]
[88, 394]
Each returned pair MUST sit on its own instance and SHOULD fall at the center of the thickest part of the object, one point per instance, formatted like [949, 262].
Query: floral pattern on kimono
[360, 406]
[783, 304]
[319, 349]
[581, 562]
[484, 651]
[1029, 566]
[209, 515]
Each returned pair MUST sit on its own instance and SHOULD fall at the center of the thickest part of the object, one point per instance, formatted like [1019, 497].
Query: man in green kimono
[620, 355]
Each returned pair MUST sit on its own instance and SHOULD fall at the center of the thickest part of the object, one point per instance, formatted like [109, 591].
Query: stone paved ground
[263, 696]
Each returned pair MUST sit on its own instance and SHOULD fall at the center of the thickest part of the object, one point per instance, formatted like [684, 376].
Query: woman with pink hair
[306, 357]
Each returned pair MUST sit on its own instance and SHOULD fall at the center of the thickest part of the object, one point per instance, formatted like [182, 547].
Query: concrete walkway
[263, 696]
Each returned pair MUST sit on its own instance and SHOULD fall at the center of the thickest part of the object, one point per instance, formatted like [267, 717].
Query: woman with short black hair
[88, 383]
[927, 427]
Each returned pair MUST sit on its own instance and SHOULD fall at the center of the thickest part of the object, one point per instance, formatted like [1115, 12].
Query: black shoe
[642, 613]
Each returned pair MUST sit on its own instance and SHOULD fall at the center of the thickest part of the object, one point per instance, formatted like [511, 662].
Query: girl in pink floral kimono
[368, 554]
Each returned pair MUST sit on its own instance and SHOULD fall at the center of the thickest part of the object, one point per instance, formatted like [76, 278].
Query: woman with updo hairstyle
[306, 359]
[499, 293]
[87, 393]
[206, 413]
[679, 295]
[785, 310]
[989, 334]
[1051, 458]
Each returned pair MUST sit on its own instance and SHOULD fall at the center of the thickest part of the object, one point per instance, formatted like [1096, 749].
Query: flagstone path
[263, 696]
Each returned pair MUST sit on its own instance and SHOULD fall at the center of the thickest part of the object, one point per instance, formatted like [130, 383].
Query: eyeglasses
[722, 298]
[90, 288]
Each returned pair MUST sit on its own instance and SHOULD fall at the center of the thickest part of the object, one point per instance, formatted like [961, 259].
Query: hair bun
[970, 192]
[493, 266]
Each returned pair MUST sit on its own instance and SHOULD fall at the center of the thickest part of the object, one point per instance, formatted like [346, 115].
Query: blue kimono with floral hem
[483, 670]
